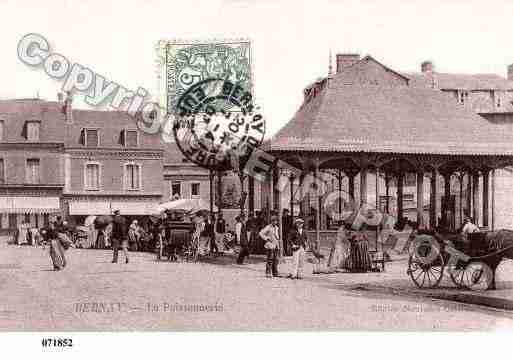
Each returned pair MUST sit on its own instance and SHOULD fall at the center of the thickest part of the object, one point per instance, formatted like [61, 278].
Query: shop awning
[86, 208]
[129, 208]
[11, 204]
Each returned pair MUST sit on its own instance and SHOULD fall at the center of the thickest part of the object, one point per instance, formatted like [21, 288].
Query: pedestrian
[271, 235]
[340, 251]
[298, 240]
[133, 236]
[359, 260]
[244, 242]
[287, 227]
[118, 237]
[56, 251]
[210, 229]
[239, 224]
[23, 233]
[469, 227]
[220, 231]
[199, 236]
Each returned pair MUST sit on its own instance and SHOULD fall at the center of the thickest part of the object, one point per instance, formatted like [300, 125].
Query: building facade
[31, 166]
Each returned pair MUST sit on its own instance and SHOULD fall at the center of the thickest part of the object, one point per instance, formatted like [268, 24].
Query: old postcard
[255, 166]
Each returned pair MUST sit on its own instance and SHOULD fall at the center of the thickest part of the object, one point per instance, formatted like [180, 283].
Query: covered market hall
[375, 134]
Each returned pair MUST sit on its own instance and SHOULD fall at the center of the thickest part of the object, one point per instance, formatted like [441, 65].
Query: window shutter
[81, 140]
[122, 138]
[24, 130]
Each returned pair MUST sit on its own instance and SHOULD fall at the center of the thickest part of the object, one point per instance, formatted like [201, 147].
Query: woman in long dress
[22, 233]
[359, 261]
[201, 235]
[340, 251]
[56, 249]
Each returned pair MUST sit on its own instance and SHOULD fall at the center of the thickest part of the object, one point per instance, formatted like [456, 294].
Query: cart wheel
[457, 274]
[476, 275]
[426, 275]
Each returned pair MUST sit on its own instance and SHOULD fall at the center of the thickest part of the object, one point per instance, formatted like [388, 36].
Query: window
[176, 190]
[89, 137]
[195, 189]
[129, 138]
[32, 171]
[462, 96]
[92, 176]
[33, 131]
[132, 176]
[2, 171]
[1, 130]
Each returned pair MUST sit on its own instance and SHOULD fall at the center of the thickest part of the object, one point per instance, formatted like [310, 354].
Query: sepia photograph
[241, 166]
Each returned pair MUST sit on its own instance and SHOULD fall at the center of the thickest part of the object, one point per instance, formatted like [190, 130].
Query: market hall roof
[367, 107]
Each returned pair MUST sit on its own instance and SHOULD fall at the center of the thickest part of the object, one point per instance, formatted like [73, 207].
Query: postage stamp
[182, 64]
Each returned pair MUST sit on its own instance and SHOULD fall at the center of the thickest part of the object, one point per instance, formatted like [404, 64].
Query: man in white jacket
[271, 235]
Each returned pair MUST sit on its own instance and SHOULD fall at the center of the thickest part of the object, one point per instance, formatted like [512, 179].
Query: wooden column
[340, 191]
[363, 186]
[211, 189]
[291, 181]
[377, 190]
[475, 196]
[400, 211]
[493, 200]
[276, 192]
[461, 178]
[387, 193]
[447, 196]
[351, 186]
[302, 196]
[317, 212]
[271, 192]
[420, 198]
[277, 196]
[219, 191]
[433, 200]
[251, 194]
[486, 184]
[469, 194]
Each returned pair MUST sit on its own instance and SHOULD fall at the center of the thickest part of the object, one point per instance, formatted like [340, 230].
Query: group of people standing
[348, 252]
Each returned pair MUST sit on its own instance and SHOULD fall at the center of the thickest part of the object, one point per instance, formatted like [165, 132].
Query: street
[91, 293]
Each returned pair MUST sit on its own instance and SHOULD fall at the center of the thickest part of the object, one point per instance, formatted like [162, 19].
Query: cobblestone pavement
[94, 294]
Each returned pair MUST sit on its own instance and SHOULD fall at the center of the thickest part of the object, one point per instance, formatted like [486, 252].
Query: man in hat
[298, 240]
[271, 235]
[118, 236]
[469, 227]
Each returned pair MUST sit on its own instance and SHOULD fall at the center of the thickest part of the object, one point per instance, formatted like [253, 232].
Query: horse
[489, 247]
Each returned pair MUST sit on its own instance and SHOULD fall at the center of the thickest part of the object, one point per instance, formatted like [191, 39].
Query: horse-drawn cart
[470, 262]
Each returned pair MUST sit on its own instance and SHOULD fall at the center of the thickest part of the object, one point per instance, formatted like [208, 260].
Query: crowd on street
[177, 236]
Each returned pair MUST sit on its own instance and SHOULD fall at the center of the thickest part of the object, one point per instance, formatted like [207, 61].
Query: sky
[291, 40]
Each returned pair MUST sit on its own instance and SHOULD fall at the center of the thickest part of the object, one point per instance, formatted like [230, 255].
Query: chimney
[510, 72]
[68, 110]
[427, 67]
[346, 60]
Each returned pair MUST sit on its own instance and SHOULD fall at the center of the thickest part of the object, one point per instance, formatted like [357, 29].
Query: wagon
[471, 263]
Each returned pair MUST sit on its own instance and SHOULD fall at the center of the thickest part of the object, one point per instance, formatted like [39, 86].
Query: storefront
[37, 211]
